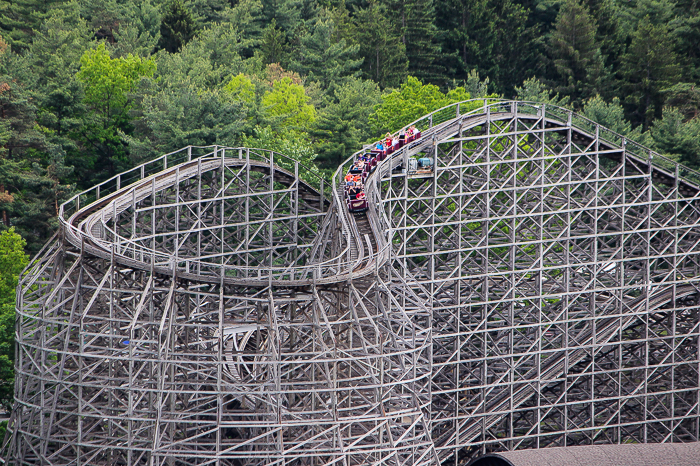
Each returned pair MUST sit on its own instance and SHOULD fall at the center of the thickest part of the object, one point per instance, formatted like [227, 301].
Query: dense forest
[91, 88]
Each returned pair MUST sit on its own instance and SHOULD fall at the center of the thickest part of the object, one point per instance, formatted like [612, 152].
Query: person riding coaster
[367, 162]
[357, 167]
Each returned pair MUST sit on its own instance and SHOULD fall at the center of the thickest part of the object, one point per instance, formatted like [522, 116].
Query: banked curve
[85, 223]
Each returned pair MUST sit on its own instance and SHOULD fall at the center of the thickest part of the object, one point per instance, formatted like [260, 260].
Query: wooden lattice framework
[538, 288]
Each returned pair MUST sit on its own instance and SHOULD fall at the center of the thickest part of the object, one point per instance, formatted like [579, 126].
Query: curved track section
[537, 288]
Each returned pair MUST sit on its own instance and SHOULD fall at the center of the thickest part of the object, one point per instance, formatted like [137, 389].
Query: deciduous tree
[287, 105]
[12, 261]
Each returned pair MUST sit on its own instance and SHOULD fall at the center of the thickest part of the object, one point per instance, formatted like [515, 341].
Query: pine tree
[612, 116]
[247, 16]
[685, 97]
[177, 26]
[324, 60]
[273, 46]
[686, 38]
[19, 20]
[293, 17]
[179, 116]
[648, 66]
[491, 37]
[342, 125]
[30, 167]
[383, 51]
[575, 53]
[609, 35]
[414, 22]
[673, 136]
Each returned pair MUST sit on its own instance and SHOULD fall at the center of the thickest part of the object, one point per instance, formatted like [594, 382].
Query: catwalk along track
[517, 277]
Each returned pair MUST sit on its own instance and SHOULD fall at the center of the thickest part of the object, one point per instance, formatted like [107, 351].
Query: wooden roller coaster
[534, 283]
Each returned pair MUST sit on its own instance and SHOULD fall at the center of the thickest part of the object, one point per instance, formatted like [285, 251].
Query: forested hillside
[90, 88]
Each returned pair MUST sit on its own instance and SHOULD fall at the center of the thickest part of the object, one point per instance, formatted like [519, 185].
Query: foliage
[242, 89]
[29, 164]
[383, 51]
[287, 105]
[533, 90]
[177, 27]
[576, 55]
[408, 103]
[291, 143]
[98, 85]
[611, 115]
[414, 21]
[323, 59]
[108, 83]
[649, 66]
[12, 261]
[174, 118]
[685, 97]
[20, 19]
[342, 125]
[91, 87]
[674, 136]
[492, 37]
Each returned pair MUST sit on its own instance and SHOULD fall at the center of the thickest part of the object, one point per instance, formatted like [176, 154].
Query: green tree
[247, 16]
[533, 90]
[206, 62]
[291, 143]
[12, 261]
[323, 59]
[139, 29]
[210, 11]
[272, 45]
[20, 19]
[173, 118]
[29, 165]
[612, 116]
[475, 86]
[674, 136]
[177, 26]
[108, 83]
[575, 52]
[685, 97]
[292, 17]
[492, 37]
[342, 125]
[609, 35]
[381, 47]
[414, 21]
[103, 16]
[413, 100]
[633, 13]
[686, 38]
[287, 105]
[648, 66]
[241, 88]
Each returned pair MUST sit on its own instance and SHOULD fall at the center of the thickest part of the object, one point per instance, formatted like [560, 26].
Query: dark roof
[649, 454]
